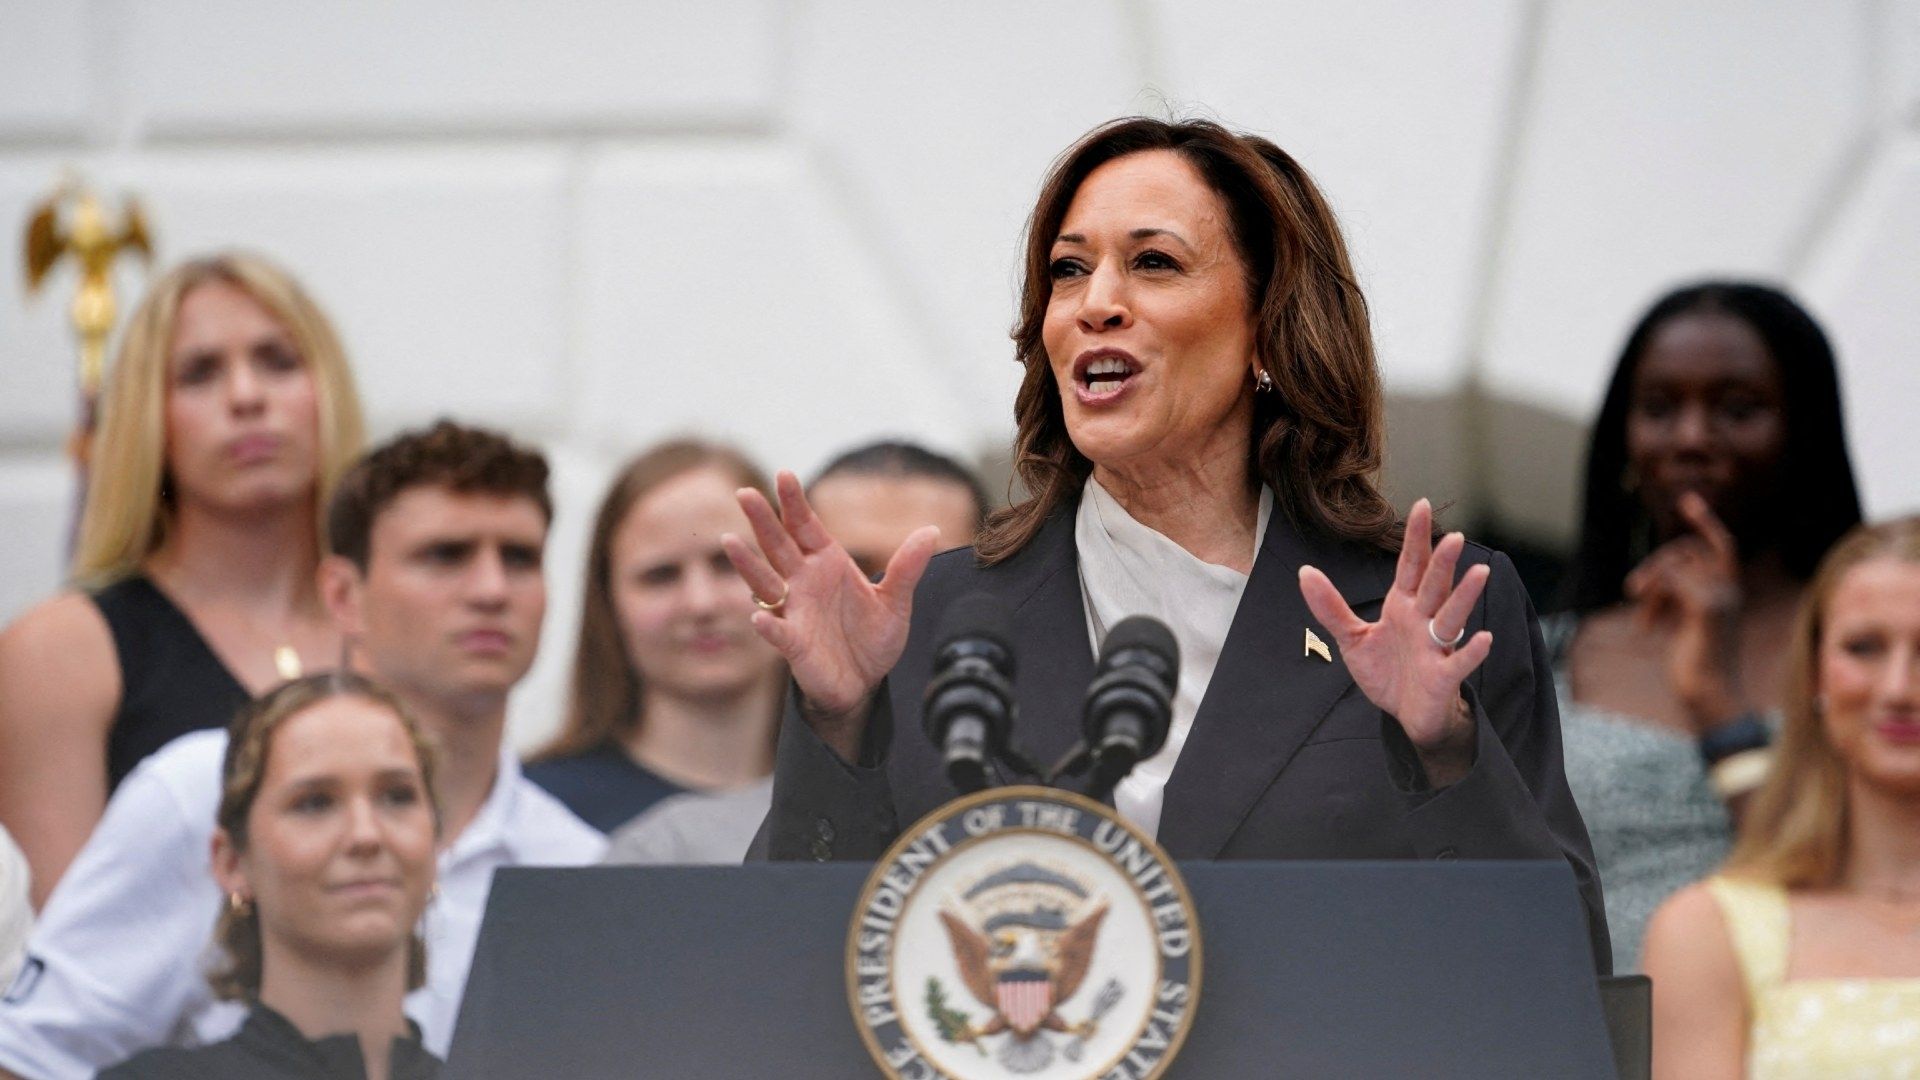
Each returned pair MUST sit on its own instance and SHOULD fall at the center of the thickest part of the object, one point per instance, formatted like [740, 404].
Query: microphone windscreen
[1141, 632]
[977, 615]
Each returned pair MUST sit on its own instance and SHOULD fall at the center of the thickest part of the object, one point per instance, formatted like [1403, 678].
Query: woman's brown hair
[249, 743]
[604, 704]
[1795, 832]
[1318, 438]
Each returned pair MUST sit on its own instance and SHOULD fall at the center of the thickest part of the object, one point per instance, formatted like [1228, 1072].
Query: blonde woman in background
[1802, 957]
[227, 417]
[325, 850]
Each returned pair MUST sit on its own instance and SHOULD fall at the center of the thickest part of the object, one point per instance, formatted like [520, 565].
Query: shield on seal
[1025, 999]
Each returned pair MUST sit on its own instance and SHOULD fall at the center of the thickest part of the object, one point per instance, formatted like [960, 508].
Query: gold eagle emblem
[1026, 957]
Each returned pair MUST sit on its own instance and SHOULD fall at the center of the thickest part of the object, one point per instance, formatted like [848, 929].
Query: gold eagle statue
[93, 244]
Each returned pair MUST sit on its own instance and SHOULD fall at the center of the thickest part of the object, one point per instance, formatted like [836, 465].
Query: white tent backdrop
[794, 225]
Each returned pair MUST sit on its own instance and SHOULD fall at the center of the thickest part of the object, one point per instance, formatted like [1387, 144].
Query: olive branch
[954, 1026]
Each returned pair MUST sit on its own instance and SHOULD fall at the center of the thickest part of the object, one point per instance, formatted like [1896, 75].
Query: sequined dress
[1656, 826]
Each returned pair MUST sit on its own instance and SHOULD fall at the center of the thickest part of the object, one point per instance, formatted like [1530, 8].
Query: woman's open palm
[1396, 660]
[839, 632]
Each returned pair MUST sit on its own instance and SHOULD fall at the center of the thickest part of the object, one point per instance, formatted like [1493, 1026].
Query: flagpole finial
[73, 223]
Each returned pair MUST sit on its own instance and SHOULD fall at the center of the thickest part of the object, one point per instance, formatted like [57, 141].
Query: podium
[1311, 969]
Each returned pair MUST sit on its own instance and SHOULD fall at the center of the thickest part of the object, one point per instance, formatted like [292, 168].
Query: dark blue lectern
[1311, 970]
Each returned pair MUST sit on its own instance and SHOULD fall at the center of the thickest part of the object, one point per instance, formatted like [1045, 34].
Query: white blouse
[1129, 569]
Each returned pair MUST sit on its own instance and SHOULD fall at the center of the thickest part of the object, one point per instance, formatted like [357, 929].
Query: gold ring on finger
[774, 605]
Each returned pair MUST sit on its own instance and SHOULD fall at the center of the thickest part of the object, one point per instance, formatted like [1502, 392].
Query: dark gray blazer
[1286, 759]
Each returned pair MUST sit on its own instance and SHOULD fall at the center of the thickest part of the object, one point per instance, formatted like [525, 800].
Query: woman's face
[1147, 326]
[684, 613]
[1869, 666]
[1707, 414]
[340, 848]
[241, 407]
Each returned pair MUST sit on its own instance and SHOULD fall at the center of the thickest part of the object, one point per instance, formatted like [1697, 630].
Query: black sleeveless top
[171, 683]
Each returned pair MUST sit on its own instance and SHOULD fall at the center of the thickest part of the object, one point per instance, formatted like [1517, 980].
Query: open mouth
[1103, 374]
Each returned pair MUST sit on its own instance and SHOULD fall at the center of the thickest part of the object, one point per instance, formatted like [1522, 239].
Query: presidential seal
[1024, 932]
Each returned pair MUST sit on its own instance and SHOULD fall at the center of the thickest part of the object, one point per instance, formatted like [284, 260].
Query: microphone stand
[1077, 761]
[1009, 758]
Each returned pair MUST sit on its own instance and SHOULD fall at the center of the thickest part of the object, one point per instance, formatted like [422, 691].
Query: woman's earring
[240, 905]
[1263, 382]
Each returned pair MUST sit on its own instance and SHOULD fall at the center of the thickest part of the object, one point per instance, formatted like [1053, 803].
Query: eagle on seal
[1023, 963]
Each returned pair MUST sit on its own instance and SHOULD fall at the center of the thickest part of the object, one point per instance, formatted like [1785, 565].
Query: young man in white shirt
[436, 581]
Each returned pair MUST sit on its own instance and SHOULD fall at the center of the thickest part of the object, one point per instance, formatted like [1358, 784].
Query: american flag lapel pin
[1316, 647]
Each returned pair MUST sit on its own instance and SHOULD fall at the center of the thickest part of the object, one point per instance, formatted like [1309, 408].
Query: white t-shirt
[117, 963]
[1129, 569]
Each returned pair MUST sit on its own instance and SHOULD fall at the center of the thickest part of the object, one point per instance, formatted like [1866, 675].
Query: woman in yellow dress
[1802, 957]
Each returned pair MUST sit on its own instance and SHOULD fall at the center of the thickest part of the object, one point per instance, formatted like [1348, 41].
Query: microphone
[970, 707]
[1130, 701]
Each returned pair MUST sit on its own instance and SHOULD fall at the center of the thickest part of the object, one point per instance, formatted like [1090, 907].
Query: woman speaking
[1199, 429]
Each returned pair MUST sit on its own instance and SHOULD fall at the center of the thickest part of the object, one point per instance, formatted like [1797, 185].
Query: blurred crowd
[260, 735]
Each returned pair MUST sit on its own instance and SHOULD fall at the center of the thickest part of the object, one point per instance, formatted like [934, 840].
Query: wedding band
[1447, 645]
[774, 605]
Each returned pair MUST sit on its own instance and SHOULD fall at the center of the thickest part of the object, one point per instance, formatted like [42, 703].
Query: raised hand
[1411, 662]
[1692, 584]
[839, 632]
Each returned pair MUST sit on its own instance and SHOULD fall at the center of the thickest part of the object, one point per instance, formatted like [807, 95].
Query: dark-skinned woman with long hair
[1717, 477]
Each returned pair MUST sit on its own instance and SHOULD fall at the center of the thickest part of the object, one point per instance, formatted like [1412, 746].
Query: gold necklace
[286, 659]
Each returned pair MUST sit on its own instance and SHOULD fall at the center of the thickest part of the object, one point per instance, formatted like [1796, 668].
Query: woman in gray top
[1716, 478]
